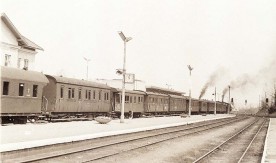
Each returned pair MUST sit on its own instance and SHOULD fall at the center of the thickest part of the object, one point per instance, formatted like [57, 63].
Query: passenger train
[29, 95]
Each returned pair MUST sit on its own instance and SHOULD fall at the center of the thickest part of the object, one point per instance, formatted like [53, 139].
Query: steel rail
[55, 154]
[251, 142]
[218, 146]
[116, 153]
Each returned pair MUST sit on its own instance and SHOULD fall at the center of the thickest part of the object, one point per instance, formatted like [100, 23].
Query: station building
[16, 50]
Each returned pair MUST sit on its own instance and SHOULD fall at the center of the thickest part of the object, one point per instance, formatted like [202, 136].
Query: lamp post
[87, 60]
[125, 39]
[215, 109]
[190, 90]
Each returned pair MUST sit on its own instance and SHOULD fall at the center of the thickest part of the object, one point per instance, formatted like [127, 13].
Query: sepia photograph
[131, 81]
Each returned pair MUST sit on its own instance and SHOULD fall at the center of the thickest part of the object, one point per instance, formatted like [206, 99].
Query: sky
[234, 39]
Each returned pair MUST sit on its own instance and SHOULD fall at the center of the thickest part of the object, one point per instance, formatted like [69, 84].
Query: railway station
[173, 81]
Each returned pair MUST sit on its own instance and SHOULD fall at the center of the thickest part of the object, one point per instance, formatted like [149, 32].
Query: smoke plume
[215, 76]
[240, 82]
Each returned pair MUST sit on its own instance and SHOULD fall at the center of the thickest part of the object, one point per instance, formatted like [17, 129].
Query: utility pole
[229, 106]
[190, 90]
[87, 60]
[215, 111]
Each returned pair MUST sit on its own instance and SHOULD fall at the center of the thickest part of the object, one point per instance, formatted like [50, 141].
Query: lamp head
[119, 71]
[123, 37]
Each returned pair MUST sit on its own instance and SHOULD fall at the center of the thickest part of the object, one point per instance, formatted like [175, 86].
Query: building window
[79, 93]
[21, 89]
[61, 91]
[35, 90]
[26, 64]
[7, 60]
[18, 62]
[94, 94]
[6, 88]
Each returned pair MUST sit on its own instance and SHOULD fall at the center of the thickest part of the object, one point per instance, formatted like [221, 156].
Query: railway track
[246, 145]
[111, 146]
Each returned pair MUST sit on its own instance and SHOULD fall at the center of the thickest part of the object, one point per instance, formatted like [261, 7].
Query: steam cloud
[265, 74]
[240, 82]
[215, 76]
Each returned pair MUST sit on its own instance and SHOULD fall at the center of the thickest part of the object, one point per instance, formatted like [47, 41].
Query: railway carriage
[21, 94]
[134, 102]
[178, 104]
[195, 106]
[211, 107]
[73, 97]
[156, 103]
[203, 106]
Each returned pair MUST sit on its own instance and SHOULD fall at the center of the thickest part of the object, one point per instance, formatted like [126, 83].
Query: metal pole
[190, 90]
[215, 112]
[123, 86]
[87, 71]
[229, 106]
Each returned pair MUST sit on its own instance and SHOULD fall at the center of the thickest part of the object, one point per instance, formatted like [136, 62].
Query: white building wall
[117, 83]
[6, 35]
[9, 46]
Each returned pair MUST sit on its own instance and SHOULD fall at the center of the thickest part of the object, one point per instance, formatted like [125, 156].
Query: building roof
[22, 40]
[130, 91]
[22, 75]
[157, 94]
[163, 90]
[181, 97]
[65, 80]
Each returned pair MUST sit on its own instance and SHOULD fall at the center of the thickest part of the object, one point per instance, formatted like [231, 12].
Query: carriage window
[35, 90]
[86, 94]
[141, 99]
[106, 96]
[73, 92]
[126, 99]
[118, 98]
[69, 93]
[130, 100]
[94, 94]
[79, 93]
[89, 95]
[61, 91]
[134, 99]
[21, 89]
[6, 88]
[100, 95]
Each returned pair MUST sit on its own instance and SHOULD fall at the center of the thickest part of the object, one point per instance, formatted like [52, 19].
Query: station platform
[14, 137]
[269, 154]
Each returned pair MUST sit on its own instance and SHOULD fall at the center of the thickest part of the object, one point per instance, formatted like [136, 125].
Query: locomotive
[29, 95]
